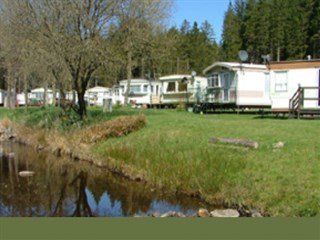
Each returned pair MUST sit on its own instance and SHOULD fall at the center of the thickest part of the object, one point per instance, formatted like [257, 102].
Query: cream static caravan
[182, 89]
[141, 92]
[289, 76]
[237, 85]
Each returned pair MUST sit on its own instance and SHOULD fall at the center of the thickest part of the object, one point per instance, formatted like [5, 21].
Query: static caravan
[182, 89]
[96, 95]
[237, 85]
[141, 92]
[2, 97]
[117, 94]
[289, 77]
[21, 99]
[71, 96]
[37, 96]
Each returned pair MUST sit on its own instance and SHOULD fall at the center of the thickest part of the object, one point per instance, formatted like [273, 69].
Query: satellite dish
[266, 58]
[243, 55]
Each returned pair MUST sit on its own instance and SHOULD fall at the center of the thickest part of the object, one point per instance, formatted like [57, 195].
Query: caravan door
[225, 81]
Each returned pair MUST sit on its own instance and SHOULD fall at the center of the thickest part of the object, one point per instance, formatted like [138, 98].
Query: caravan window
[145, 88]
[182, 86]
[281, 81]
[213, 81]
[135, 88]
[171, 87]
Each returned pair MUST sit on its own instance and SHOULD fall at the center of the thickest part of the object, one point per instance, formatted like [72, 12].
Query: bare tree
[137, 20]
[73, 32]
[73, 37]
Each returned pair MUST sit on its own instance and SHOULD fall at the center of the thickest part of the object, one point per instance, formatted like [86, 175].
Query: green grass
[173, 152]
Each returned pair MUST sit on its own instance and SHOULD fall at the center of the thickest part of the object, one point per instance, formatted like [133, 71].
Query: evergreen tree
[314, 30]
[263, 29]
[252, 16]
[231, 41]
[299, 15]
[279, 16]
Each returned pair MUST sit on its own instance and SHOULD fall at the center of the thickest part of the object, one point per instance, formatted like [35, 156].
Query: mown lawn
[173, 152]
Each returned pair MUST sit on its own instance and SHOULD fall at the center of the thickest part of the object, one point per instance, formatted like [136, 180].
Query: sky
[200, 10]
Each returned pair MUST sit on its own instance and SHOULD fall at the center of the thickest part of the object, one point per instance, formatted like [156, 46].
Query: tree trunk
[246, 143]
[82, 110]
[45, 95]
[129, 74]
[54, 93]
[8, 95]
[25, 90]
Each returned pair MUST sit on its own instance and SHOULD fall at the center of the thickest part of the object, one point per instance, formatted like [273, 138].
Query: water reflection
[61, 187]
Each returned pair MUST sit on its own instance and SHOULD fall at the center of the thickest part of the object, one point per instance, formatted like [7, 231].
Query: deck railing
[297, 102]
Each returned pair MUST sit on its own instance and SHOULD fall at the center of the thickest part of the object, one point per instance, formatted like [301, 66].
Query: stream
[61, 187]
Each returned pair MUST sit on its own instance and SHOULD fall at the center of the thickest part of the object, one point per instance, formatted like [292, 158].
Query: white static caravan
[141, 92]
[286, 77]
[37, 96]
[21, 99]
[96, 95]
[238, 85]
[185, 89]
[2, 97]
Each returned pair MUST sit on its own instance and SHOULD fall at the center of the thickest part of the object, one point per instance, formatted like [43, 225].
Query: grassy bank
[173, 151]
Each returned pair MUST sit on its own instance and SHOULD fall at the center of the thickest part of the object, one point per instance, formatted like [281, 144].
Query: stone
[168, 214]
[26, 173]
[278, 145]
[202, 212]
[225, 213]
[180, 215]
[156, 215]
[256, 214]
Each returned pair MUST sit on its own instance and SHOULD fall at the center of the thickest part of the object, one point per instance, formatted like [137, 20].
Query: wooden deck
[297, 104]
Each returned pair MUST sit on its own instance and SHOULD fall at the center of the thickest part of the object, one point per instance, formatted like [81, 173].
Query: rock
[156, 215]
[26, 173]
[180, 215]
[168, 214]
[225, 213]
[40, 147]
[256, 214]
[278, 145]
[202, 212]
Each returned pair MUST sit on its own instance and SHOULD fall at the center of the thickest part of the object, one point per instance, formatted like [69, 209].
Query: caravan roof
[236, 65]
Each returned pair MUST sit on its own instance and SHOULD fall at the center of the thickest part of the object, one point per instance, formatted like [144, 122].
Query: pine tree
[251, 30]
[297, 34]
[314, 30]
[279, 15]
[231, 42]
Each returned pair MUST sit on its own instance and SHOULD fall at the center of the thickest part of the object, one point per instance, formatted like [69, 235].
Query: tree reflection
[82, 205]
[61, 187]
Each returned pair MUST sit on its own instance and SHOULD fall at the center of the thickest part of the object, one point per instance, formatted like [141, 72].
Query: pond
[61, 187]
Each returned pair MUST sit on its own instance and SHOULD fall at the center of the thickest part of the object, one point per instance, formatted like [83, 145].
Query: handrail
[297, 101]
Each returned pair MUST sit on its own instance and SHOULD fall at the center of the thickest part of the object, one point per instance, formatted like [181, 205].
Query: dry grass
[115, 128]
[76, 143]
[5, 122]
